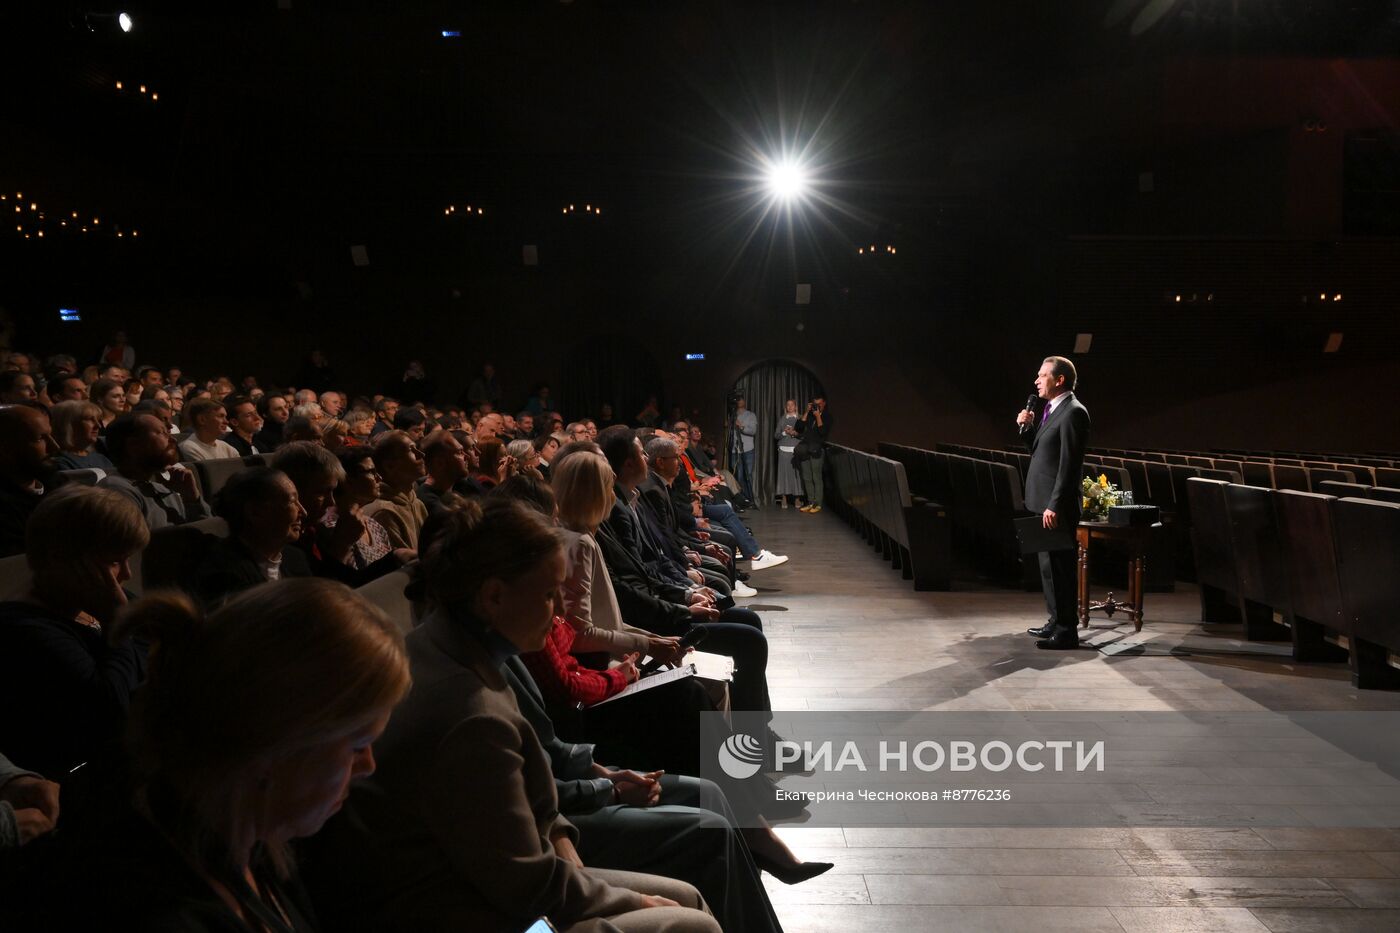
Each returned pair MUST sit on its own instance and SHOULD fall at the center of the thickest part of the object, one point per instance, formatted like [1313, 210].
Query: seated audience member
[361, 424]
[177, 401]
[675, 825]
[525, 457]
[546, 445]
[264, 520]
[18, 388]
[28, 805]
[64, 684]
[143, 450]
[412, 422]
[312, 412]
[299, 428]
[208, 420]
[525, 425]
[133, 389]
[26, 470]
[255, 721]
[244, 424]
[274, 411]
[578, 431]
[149, 377]
[332, 403]
[335, 435]
[161, 410]
[492, 463]
[305, 397]
[426, 844]
[362, 541]
[655, 504]
[384, 411]
[66, 387]
[317, 475]
[667, 608]
[108, 396]
[398, 508]
[446, 485]
[76, 428]
[490, 426]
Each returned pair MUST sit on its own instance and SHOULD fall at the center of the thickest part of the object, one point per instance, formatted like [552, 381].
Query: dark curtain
[766, 387]
[616, 370]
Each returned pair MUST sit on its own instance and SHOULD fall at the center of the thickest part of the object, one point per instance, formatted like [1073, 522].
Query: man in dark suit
[1057, 440]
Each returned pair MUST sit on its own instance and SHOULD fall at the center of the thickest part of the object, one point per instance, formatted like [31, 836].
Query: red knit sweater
[561, 678]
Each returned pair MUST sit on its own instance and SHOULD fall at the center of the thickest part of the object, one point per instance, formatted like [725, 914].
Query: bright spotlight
[787, 180]
[124, 21]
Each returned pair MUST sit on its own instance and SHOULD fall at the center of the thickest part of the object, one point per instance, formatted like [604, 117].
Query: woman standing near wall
[789, 483]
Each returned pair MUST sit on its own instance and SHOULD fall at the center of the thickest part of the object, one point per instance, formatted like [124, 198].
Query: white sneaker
[742, 589]
[766, 559]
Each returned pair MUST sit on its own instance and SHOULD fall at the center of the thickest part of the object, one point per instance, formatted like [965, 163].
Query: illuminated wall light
[142, 89]
[155, 96]
[566, 210]
[17, 208]
[41, 234]
[1337, 297]
[135, 233]
[1178, 298]
[1321, 297]
[119, 85]
[75, 215]
[95, 221]
[63, 223]
[85, 229]
[861, 250]
[892, 250]
[33, 206]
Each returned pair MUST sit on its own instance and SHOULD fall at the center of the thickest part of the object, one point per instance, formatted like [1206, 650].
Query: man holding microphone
[1057, 441]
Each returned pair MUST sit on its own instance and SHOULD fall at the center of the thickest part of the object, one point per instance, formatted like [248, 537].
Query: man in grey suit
[1057, 440]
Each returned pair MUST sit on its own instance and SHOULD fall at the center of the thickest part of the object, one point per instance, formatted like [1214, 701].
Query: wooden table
[1133, 539]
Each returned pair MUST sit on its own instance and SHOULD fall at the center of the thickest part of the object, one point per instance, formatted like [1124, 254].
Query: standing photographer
[745, 428]
[814, 426]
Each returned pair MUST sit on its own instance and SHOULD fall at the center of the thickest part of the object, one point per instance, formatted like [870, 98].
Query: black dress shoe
[1045, 631]
[1064, 640]
[795, 873]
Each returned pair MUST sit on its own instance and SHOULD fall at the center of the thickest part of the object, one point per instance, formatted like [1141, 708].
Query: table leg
[1083, 586]
[1139, 574]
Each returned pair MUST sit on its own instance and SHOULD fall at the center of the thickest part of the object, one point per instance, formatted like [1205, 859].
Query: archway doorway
[765, 387]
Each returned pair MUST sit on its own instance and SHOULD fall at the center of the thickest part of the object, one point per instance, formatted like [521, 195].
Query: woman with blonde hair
[76, 428]
[253, 723]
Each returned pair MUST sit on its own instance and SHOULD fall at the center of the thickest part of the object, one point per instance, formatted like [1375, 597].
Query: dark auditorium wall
[1036, 189]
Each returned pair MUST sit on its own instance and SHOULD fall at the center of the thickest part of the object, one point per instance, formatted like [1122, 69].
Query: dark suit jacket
[452, 832]
[644, 603]
[626, 528]
[230, 568]
[1057, 460]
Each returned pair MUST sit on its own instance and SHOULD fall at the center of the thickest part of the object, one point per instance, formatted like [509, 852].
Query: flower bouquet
[1097, 497]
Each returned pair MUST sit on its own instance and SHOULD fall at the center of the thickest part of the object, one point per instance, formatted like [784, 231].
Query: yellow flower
[1086, 504]
[1103, 480]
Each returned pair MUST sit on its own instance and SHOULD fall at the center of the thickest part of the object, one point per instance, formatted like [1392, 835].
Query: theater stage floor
[847, 633]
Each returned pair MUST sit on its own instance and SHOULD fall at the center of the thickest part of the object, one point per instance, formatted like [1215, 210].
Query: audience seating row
[872, 493]
[1310, 567]
[170, 559]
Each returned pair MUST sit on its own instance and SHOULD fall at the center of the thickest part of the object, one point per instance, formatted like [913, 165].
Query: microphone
[1030, 407]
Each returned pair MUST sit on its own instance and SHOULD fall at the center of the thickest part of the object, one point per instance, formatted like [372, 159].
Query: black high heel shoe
[791, 874]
